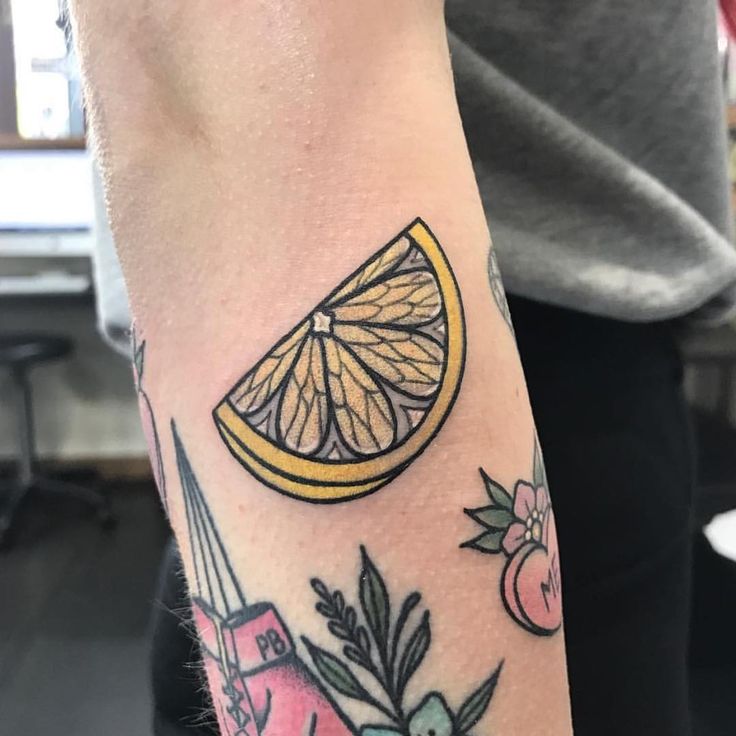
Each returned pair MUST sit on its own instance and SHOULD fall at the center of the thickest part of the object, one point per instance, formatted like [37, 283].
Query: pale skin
[256, 154]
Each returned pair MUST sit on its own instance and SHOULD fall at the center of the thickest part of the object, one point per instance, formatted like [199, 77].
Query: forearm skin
[257, 154]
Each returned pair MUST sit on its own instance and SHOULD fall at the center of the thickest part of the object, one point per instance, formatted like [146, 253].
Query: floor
[74, 629]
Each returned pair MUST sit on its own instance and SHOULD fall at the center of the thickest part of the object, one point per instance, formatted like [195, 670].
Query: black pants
[614, 428]
[613, 425]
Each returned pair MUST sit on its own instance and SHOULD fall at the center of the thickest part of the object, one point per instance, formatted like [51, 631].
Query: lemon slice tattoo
[347, 399]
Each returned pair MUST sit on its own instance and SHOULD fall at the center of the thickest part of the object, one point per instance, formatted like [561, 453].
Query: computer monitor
[45, 190]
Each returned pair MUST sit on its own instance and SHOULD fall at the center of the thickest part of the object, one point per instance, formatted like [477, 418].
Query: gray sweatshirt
[597, 132]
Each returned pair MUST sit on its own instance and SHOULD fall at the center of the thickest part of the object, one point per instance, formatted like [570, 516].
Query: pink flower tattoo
[531, 508]
[521, 526]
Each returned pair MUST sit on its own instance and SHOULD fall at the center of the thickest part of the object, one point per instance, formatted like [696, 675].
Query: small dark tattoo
[521, 526]
[148, 419]
[496, 283]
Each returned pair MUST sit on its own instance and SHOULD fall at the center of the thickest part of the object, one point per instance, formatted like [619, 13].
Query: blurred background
[81, 550]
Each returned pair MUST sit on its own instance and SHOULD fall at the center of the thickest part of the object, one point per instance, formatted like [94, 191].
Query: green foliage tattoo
[384, 650]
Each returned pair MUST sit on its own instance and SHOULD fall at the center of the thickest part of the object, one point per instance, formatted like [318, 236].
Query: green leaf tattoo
[496, 492]
[492, 517]
[336, 673]
[390, 657]
[407, 607]
[487, 542]
[472, 710]
[374, 601]
[414, 653]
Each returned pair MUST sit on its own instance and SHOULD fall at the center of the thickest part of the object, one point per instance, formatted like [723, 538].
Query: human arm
[256, 155]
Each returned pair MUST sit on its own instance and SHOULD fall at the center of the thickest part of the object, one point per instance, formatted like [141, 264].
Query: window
[47, 86]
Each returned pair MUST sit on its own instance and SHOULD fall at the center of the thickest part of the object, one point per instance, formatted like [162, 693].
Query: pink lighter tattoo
[259, 684]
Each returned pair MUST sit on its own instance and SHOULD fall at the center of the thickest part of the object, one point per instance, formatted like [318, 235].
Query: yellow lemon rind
[303, 475]
[318, 493]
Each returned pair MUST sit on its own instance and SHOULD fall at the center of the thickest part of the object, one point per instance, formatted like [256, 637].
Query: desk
[45, 263]
[46, 220]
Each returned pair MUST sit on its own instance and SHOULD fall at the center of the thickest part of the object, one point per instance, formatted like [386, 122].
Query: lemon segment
[357, 390]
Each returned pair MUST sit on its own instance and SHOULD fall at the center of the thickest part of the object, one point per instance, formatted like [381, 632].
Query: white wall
[85, 407]
[8, 112]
